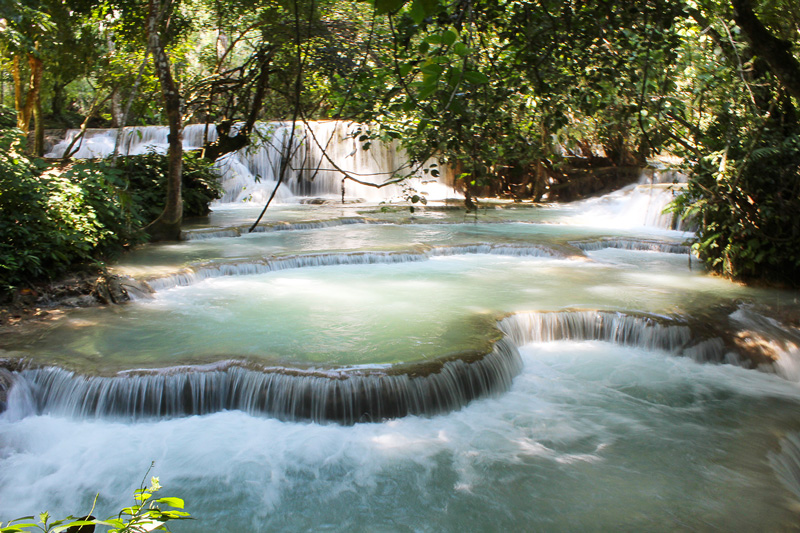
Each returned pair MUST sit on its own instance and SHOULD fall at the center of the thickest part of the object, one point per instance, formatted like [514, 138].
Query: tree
[168, 225]
[547, 82]
[23, 29]
[741, 140]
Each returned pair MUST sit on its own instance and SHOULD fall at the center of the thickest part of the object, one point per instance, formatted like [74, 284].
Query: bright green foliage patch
[142, 180]
[53, 220]
[146, 514]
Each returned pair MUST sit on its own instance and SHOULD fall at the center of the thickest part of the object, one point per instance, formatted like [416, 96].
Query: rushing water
[606, 400]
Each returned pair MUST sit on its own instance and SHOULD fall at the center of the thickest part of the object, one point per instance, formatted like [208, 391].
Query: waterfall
[775, 342]
[642, 331]
[200, 272]
[347, 396]
[641, 245]
[318, 155]
[640, 205]
[136, 140]
[216, 233]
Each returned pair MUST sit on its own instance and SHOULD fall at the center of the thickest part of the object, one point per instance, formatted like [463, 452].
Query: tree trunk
[24, 103]
[16, 71]
[116, 109]
[168, 225]
[59, 100]
[776, 52]
[38, 132]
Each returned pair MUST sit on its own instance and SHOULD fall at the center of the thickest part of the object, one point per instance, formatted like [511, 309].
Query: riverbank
[45, 301]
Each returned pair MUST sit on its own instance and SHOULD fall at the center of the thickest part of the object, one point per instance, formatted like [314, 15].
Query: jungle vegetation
[574, 96]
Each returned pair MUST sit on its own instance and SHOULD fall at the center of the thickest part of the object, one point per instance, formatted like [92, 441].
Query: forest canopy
[574, 96]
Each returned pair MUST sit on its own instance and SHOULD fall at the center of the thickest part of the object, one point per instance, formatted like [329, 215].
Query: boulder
[6, 381]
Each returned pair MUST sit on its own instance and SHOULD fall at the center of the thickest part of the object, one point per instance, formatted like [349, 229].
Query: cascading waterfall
[631, 244]
[215, 233]
[318, 153]
[201, 272]
[587, 391]
[136, 140]
[641, 331]
[639, 205]
[781, 343]
[786, 463]
[347, 396]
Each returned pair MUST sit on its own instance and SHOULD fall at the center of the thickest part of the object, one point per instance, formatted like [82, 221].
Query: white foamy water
[611, 423]
[317, 157]
[634, 206]
[591, 436]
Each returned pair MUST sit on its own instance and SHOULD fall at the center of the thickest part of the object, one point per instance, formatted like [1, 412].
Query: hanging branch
[298, 87]
[69, 152]
[740, 66]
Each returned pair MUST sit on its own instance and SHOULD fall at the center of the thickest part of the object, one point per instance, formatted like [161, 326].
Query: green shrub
[146, 514]
[53, 220]
[746, 204]
[145, 178]
[8, 117]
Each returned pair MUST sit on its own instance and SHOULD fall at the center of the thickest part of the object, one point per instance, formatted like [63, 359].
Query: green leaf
[461, 49]
[421, 9]
[432, 70]
[25, 525]
[426, 91]
[454, 76]
[449, 37]
[388, 6]
[172, 502]
[76, 523]
[473, 76]
[417, 12]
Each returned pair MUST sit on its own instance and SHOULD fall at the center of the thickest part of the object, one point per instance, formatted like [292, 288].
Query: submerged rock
[110, 289]
[6, 381]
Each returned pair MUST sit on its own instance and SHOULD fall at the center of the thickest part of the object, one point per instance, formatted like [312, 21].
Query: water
[591, 436]
[252, 173]
[605, 401]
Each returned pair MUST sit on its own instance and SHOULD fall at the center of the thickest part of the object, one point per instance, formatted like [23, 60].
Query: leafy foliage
[738, 131]
[509, 93]
[53, 220]
[747, 208]
[147, 514]
[517, 97]
[143, 180]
